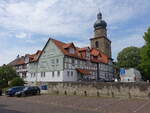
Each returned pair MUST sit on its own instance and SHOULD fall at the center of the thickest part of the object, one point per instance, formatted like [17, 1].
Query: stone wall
[118, 90]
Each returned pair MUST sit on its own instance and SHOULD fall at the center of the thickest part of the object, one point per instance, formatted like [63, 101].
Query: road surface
[71, 104]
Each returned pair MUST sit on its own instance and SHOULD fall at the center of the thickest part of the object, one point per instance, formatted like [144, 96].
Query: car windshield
[26, 88]
[16, 88]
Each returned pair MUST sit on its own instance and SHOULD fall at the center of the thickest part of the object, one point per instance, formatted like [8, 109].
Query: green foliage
[145, 56]
[17, 82]
[117, 70]
[7, 73]
[3, 84]
[129, 57]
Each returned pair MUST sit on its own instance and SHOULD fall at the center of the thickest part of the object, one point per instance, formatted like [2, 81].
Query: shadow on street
[3, 109]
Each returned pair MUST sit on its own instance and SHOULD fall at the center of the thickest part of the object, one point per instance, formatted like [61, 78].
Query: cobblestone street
[71, 104]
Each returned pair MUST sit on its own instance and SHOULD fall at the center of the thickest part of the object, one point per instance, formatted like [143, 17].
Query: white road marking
[141, 107]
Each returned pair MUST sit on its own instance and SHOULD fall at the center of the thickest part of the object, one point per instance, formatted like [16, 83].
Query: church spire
[99, 22]
[100, 40]
[99, 16]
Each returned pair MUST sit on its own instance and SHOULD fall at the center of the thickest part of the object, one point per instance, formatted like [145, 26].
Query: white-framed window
[65, 65]
[78, 62]
[57, 61]
[72, 73]
[72, 61]
[34, 74]
[58, 73]
[68, 73]
[71, 50]
[52, 61]
[53, 74]
[31, 75]
[42, 74]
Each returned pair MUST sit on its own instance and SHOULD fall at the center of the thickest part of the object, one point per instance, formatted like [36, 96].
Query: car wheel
[23, 94]
[18, 95]
[38, 92]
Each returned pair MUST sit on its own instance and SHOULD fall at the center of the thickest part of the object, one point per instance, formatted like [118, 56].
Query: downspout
[63, 66]
[97, 72]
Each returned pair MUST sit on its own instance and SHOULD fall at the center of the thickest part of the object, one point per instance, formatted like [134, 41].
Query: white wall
[56, 78]
[69, 77]
[48, 77]
[131, 75]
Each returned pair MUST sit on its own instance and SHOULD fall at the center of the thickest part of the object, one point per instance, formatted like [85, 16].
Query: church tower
[100, 40]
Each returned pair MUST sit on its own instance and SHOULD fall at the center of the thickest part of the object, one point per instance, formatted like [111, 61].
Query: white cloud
[11, 53]
[65, 17]
[81, 44]
[132, 40]
[21, 35]
[70, 18]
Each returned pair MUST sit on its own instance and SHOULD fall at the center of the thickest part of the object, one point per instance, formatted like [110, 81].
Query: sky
[26, 25]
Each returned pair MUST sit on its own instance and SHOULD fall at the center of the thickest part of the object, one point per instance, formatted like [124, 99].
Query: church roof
[99, 22]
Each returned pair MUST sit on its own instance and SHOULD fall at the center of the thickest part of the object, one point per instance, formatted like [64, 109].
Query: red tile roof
[101, 57]
[83, 49]
[80, 53]
[17, 61]
[95, 52]
[21, 60]
[69, 45]
[34, 57]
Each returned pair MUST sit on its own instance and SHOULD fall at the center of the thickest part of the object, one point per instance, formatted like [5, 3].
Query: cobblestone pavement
[71, 104]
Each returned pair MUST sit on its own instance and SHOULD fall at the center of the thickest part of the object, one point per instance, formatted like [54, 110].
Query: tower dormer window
[97, 44]
[71, 50]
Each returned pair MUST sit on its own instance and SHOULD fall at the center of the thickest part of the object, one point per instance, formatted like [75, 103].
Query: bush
[3, 84]
[17, 82]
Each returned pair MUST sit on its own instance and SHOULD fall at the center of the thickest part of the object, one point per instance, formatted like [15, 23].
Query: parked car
[30, 90]
[13, 90]
[1, 92]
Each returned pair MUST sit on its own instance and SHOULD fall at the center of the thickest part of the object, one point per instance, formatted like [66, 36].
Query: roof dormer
[70, 48]
[85, 52]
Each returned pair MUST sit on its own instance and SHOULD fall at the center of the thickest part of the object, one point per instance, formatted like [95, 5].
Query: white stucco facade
[55, 76]
[51, 63]
[131, 75]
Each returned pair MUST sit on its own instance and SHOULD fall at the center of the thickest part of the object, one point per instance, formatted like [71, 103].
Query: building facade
[130, 75]
[59, 61]
[64, 62]
[21, 63]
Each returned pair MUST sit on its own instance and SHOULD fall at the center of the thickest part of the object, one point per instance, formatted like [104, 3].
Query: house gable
[51, 58]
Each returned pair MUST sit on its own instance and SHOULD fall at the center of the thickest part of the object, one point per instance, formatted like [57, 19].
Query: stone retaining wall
[118, 90]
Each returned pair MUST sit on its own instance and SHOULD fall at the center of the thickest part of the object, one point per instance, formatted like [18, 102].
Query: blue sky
[26, 25]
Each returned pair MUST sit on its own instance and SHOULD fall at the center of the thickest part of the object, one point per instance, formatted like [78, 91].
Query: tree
[117, 70]
[3, 84]
[129, 57]
[7, 73]
[145, 56]
[17, 82]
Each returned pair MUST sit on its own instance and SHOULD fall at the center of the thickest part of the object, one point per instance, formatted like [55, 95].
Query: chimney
[17, 56]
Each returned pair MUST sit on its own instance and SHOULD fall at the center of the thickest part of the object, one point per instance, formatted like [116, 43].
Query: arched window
[97, 44]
